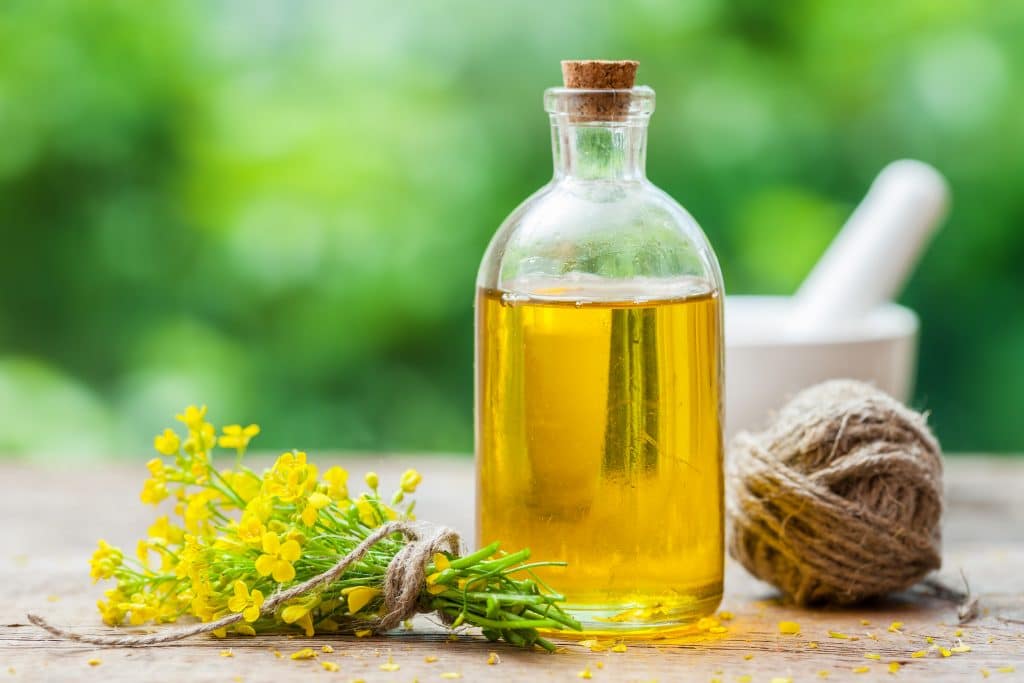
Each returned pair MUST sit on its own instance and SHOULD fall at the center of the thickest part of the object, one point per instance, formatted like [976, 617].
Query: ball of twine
[840, 499]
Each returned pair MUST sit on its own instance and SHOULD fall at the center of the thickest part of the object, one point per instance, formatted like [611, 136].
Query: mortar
[765, 364]
[841, 323]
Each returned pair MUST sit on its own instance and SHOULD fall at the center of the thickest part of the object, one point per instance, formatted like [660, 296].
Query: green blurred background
[278, 208]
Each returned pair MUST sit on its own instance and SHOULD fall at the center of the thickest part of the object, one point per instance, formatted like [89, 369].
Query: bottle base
[643, 619]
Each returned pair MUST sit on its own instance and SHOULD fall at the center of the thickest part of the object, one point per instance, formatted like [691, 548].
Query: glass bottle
[599, 379]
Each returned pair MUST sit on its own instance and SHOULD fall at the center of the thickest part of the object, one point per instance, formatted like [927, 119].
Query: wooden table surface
[51, 518]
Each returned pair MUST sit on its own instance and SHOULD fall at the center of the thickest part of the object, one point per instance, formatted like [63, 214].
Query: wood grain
[53, 516]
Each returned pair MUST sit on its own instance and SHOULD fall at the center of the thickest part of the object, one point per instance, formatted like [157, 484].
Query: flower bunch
[236, 537]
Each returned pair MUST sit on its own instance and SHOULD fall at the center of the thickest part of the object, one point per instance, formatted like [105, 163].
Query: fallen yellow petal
[717, 629]
[619, 647]
[725, 616]
[985, 673]
[895, 626]
[451, 675]
[94, 662]
[960, 648]
[745, 678]
[873, 655]
[782, 679]
[430, 659]
[945, 651]
[594, 645]
[789, 627]
[865, 622]
[823, 673]
[1006, 669]
[837, 634]
[599, 665]
[304, 653]
[389, 665]
[861, 669]
[227, 653]
[918, 654]
[894, 667]
[706, 623]
[813, 645]
[748, 657]
[329, 666]
[493, 659]
[327, 648]
[364, 632]
[585, 674]
[959, 632]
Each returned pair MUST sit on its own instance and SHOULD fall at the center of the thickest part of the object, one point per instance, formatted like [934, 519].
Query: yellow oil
[599, 443]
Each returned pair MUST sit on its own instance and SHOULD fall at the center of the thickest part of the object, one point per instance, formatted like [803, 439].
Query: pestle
[872, 256]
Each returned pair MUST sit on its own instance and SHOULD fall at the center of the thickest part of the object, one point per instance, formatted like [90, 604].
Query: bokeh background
[278, 208]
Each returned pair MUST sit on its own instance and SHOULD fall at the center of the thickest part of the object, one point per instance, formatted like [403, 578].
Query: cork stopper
[599, 74]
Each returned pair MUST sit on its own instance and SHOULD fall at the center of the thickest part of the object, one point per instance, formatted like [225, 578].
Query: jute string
[840, 499]
[402, 584]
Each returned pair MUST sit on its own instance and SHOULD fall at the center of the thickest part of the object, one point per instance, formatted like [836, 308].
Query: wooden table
[51, 518]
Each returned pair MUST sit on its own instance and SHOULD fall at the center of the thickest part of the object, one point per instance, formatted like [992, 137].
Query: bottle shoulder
[616, 230]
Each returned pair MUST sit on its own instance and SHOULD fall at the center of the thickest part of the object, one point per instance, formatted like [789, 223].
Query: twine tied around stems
[401, 590]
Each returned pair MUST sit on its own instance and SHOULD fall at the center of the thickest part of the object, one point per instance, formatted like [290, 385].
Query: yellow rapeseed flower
[251, 529]
[200, 440]
[316, 502]
[336, 479]
[110, 609]
[193, 418]
[441, 562]
[291, 477]
[247, 603]
[167, 443]
[410, 480]
[298, 613]
[359, 596]
[162, 530]
[372, 480]
[238, 437]
[367, 514]
[104, 561]
[277, 558]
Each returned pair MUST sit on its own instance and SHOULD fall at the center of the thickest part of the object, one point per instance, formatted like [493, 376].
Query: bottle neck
[613, 150]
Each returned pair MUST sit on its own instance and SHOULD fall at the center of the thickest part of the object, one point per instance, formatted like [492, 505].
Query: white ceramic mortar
[765, 365]
[841, 322]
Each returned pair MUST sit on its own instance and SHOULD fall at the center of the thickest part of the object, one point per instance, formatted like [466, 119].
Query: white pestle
[870, 259]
